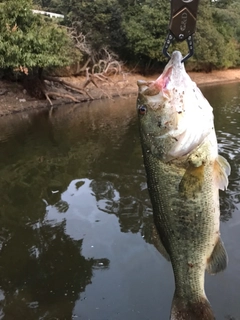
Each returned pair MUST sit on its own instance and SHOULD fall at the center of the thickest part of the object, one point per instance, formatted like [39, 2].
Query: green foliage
[29, 40]
[100, 20]
[215, 42]
[145, 26]
[223, 3]
[136, 29]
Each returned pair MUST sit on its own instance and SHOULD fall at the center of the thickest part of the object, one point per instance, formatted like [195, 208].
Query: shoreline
[14, 99]
[216, 77]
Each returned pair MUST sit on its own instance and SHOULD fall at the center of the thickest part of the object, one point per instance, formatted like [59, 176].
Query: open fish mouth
[173, 75]
[153, 88]
[176, 102]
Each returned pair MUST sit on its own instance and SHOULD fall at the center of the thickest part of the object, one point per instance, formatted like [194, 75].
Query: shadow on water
[76, 221]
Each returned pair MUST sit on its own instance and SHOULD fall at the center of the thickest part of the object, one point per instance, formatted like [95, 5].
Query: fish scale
[184, 173]
[174, 229]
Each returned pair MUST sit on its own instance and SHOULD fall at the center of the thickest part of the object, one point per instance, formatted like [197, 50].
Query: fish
[184, 174]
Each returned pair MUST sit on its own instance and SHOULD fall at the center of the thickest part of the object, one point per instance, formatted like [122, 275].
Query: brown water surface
[76, 220]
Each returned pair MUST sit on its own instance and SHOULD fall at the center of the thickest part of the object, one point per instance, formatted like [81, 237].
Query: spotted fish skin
[184, 175]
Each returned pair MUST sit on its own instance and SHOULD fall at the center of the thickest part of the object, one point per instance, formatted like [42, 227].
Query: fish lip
[143, 85]
[172, 71]
[174, 62]
[176, 58]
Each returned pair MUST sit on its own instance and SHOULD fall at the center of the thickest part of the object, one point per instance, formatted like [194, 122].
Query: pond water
[76, 219]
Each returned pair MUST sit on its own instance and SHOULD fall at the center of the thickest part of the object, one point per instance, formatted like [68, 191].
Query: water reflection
[47, 213]
[226, 102]
[42, 269]
[76, 220]
[37, 279]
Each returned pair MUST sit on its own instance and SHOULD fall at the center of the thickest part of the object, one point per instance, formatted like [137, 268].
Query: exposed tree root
[58, 94]
[97, 70]
[69, 86]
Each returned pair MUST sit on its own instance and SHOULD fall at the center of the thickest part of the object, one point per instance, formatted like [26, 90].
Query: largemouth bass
[184, 175]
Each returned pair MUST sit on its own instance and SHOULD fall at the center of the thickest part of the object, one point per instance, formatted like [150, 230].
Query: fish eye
[142, 109]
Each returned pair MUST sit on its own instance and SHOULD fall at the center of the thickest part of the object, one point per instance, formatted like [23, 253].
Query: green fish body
[184, 175]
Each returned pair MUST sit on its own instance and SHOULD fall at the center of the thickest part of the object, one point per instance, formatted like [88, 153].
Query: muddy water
[76, 220]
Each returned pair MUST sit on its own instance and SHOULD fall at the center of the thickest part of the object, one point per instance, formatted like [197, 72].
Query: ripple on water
[75, 201]
[229, 147]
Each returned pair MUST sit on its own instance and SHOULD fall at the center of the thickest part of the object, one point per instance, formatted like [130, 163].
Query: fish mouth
[171, 73]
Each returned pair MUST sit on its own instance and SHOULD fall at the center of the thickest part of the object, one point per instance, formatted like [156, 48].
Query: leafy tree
[222, 3]
[29, 40]
[100, 21]
[136, 29]
[145, 25]
[214, 43]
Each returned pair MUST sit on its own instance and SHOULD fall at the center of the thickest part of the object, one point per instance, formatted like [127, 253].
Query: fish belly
[186, 215]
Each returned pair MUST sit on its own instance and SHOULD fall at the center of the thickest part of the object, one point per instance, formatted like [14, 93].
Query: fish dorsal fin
[222, 170]
[219, 259]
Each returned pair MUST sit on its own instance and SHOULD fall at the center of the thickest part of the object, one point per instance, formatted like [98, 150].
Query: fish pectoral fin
[192, 181]
[218, 260]
[222, 170]
[158, 244]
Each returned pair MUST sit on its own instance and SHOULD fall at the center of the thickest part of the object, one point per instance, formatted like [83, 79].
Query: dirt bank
[14, 99]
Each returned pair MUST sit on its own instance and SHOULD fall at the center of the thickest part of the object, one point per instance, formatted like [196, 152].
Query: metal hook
[170, 38]
[167, 44]
[182, 25]
[190, 49]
